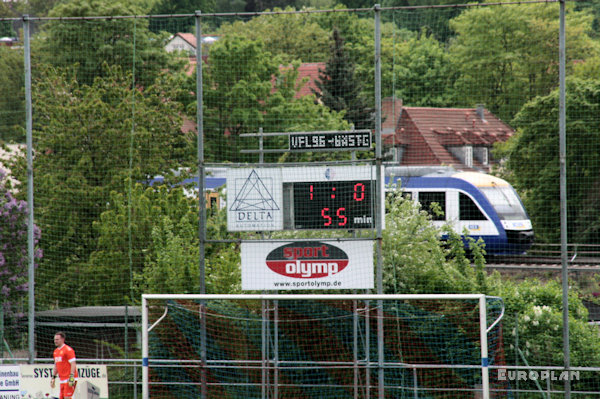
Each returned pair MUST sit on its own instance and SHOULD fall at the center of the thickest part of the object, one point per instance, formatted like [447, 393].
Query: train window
[467, 209]
[428, 198]
[505, 201]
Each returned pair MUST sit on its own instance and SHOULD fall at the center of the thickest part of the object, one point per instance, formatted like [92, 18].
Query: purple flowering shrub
[13, 254]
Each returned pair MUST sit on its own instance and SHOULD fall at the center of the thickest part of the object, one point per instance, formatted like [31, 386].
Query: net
[323, 347]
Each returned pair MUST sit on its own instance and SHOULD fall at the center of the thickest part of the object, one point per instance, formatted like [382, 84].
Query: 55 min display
[346, 204]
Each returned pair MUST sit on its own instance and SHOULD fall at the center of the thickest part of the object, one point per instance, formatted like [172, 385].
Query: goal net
[325, 346]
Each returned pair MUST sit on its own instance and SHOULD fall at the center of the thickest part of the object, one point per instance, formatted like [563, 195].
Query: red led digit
[311, 192]
[340, 215]
[326, 217]
[359, 192]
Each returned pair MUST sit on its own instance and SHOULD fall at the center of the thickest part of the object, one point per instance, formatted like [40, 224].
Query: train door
[471, 217]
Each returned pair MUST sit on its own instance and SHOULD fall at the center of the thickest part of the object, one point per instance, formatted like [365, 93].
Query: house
[186, 42]
[458, 137]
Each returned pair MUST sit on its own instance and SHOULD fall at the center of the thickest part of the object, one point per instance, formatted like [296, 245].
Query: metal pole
[355, 345]
[261, 153]
[201, 203]
[263, 334]
[367, 350]
[145, 381]
[563, 194]
[1, 333]
[276, 349]
[379, 217]
[30, 237]
[485, 376]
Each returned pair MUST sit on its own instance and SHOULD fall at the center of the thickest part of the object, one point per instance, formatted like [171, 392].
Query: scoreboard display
[344, 204]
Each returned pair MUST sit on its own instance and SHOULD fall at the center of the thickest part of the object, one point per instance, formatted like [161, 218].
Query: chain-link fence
[112, 107]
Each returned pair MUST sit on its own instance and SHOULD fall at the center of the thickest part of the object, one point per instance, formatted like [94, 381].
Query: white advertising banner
[10, 379]
[307, 265]
[92, 382]
[254, 199]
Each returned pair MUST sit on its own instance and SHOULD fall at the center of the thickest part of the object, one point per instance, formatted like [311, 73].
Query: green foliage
[340, 90]
[12, 95]
[163, 232]
[237, 88]
[534, 312]
[89, 44]
[86, 148]
[172, 265]
[288, 36]
[510, 54]
[6, 27]
[425, 74]
[533, 165]
[179, 7]
[244, 90]
[158, 253]
[435, 20]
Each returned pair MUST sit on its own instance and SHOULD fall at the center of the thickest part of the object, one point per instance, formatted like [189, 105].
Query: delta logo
[311, 259]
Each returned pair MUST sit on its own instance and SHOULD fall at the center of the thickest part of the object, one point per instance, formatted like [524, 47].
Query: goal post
[289, 345]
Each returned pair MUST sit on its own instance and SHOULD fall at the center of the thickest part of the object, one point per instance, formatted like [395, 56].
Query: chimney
[480, 112]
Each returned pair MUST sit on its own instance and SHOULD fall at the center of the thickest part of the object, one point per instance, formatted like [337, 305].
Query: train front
[509, 210]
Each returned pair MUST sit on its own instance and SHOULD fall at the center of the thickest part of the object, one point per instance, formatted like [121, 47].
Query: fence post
[379, 216]
[563, 194]
[201, 200]
[30, 237]
[485, 376]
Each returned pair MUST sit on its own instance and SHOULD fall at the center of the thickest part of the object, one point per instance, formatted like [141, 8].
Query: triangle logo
[254, 196]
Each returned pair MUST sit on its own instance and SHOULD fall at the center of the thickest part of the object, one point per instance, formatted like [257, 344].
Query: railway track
[580, 258]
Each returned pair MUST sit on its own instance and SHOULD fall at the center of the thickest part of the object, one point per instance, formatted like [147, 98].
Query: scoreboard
[303, 198]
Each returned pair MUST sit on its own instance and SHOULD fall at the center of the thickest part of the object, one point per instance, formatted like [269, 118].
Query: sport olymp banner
[307, 265]
[33, 381]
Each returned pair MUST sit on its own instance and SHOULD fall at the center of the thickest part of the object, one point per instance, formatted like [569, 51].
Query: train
[485, 206]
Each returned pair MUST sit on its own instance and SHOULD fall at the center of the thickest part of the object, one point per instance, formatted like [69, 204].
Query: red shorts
[66, 391]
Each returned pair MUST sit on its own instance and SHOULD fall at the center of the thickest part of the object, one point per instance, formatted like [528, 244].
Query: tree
[35, 8]
[141, 230]
[14, 258]
[289, 36]
[425, 75]
[162, 256]
[433, 20]
[89, 44]
[340, 90]
[508, 54]
[535, 307]
[174, 7]
[533, 165]
[89, 141]
[245, 90]
[12, 95]
[6, 27]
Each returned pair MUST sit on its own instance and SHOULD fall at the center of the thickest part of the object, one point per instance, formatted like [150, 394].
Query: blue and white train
[486, 206]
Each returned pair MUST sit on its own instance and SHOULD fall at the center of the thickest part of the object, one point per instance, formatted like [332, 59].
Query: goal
[326, 346]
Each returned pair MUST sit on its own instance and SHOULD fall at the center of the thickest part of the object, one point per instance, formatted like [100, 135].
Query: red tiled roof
[428, 132]
[308, 71]
[188, 37]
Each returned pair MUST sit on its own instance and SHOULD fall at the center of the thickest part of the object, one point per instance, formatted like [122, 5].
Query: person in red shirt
[65, 367]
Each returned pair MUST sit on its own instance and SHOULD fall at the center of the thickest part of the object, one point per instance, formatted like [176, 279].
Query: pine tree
[339, 89]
